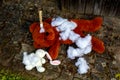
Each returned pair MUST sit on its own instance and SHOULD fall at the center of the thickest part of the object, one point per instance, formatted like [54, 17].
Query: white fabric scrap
[82, 66]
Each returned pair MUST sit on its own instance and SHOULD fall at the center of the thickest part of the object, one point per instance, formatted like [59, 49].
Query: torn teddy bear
[61, 31]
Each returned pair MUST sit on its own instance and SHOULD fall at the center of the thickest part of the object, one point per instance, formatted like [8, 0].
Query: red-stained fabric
[50, 38]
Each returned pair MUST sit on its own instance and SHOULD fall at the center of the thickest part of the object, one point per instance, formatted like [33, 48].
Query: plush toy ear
[54, 49]
[97, 45]
[32, 26]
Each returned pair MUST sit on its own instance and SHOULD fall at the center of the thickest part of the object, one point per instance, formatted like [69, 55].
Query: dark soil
[15, 38]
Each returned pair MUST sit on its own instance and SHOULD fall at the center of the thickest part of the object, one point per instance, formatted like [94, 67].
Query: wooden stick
[41, 23]
[40, 17]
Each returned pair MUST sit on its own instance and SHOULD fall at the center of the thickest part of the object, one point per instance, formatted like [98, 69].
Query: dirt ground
[15, 38]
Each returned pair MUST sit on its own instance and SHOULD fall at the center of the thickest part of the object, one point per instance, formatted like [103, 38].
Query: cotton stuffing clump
[82, 66]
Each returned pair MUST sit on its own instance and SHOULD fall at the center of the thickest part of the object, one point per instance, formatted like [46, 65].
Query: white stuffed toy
[34, 60]
[37, 60]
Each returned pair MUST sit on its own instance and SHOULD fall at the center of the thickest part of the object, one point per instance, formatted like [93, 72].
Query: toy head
[45, 39]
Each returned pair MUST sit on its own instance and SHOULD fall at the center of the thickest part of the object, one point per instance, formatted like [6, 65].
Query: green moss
[117, 76]
[7, 75]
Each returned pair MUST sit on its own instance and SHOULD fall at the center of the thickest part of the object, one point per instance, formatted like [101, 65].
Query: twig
[40, 17]
[41, 23]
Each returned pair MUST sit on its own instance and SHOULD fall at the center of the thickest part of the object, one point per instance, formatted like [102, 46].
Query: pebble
[103, 64]
[113, 79]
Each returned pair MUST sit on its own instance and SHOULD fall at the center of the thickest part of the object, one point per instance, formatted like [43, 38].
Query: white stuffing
[65, 34]
[88, 49]
[57, 21]
[63, 26]
[83, 42]
[74, 52]
[67, 25]
[42, 29]
[84, 45]
[78, 52]
[82, 66]
[73, 36]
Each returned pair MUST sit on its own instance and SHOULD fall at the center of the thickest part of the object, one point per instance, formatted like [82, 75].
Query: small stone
[114, 62]
[115, 56]
[113, 79]
[103, 64]
[15, 42]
